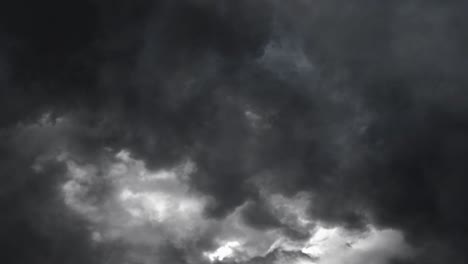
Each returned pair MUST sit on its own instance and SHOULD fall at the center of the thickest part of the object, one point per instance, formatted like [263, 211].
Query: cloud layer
[158, 131]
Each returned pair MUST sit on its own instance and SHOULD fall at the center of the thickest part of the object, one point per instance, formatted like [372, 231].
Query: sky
[233, 132]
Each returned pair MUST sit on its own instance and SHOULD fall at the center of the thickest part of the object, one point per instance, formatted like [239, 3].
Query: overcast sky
[237, 132]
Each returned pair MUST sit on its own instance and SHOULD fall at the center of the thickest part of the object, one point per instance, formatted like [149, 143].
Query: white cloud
[144, 207]
[225, 251]
[151, 208]
[376, 247]
[327, 245]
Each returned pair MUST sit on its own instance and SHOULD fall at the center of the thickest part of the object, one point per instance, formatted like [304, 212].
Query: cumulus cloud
[156, 208]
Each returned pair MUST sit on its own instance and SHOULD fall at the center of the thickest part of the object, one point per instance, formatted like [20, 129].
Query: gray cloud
[360, 105]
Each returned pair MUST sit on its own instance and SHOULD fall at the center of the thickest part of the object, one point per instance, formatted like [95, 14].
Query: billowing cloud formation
[158, 131]
[151, 209]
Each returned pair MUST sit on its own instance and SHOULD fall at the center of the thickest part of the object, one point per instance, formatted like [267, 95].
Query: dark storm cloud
[35, 227]
[361, 103]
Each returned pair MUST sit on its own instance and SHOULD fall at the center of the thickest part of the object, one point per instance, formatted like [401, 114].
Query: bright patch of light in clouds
[327, 246]
[159, 206]
[337, 245]
[317, 245]
[225, 251]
